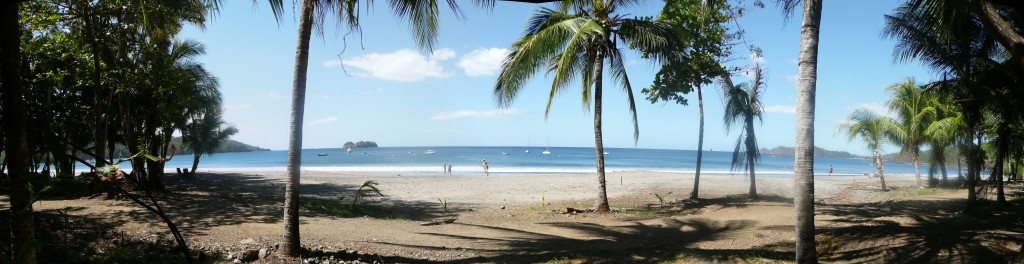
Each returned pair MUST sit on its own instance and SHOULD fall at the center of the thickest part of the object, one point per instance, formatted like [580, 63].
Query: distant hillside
[818, 152]
[229, 146]
[360, 144]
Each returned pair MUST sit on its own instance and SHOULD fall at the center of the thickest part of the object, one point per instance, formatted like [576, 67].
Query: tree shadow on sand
[197, 205]
[920, 231]
[638, 242]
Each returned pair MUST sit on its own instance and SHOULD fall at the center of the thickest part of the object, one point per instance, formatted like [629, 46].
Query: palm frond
[618, 71]
[531, 53]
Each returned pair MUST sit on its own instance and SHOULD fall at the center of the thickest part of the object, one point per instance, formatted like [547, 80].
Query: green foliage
[338, 208]
[444, 205]
[367, 190]
[704, 42]
[580, 47]
[743, 105]
[661, 197]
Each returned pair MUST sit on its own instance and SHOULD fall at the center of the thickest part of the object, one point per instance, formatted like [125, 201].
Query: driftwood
[438, 222]
[570, 210]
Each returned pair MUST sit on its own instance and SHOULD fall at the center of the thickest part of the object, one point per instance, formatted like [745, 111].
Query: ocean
[511, 161]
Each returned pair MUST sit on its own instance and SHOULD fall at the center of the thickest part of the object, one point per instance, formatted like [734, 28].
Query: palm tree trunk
[880, 167]
[602, 191]
[195, 163]
[14, 129]
[959, 163]
[803, 167]
[700, 144]
[917, 168]
[942, 166]
[100, 126]
[972, 156]
[292, 243]
[1002, 145]
[751, 151]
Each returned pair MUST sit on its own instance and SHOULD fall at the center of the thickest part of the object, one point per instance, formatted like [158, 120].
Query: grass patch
[649, 211]
[341, 208]
[926, 191]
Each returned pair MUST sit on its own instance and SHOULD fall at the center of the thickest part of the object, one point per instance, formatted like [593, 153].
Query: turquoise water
[467, 161]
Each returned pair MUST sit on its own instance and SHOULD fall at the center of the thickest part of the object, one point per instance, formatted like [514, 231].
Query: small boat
[349, 150]
[322, 154]
[606, 153]
[546, 152]
[430, 152]
[504, 153]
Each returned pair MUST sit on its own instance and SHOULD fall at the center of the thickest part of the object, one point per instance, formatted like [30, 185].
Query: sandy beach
[502, 219]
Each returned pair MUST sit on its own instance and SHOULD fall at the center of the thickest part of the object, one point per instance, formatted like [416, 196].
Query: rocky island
[360, 144]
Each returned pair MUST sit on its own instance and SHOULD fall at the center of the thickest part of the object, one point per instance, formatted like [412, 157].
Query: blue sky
[390, 92]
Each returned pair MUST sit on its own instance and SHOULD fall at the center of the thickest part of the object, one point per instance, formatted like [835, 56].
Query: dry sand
[501, 218]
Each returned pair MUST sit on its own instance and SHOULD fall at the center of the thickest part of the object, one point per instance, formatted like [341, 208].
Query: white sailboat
[546, 152]
[430, 152]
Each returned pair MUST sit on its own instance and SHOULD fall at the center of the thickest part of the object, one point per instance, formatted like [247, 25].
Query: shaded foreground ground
[224, 214]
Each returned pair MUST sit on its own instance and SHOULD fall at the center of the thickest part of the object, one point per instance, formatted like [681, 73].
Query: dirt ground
[522, 219]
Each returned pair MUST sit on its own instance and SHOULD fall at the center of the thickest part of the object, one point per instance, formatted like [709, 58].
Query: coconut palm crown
[575, 43]
[743, 105]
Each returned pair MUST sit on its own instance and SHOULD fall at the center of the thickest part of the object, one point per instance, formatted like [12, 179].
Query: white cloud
[324, 120]
[460, 114]
[786, 109]
[275, 96]
[757, 59]
[482, 62]
[442, 54]
[402, 65]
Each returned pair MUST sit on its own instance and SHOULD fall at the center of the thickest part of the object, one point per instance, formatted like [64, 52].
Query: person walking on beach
[444, 168]
[830, 170]
[448, 168]
[487, 173]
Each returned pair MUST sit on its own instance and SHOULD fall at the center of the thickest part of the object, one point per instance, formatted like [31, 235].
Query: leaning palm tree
[205, 135]
[422, 16]
[803, 160]
[743, 105]
[574, 42]
[871, 128]
[913, 113]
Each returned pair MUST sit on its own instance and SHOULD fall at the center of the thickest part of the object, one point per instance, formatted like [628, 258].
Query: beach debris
[570, 210]
[502, 207]
[438, 222]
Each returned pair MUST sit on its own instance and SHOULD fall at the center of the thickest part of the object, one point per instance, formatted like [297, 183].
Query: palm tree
[803, 160]
[871, 128]
[944, 131]
[742, 105]
[914, 114]
[205, 135]
[576, 46]
[950, 37]
[422, 16]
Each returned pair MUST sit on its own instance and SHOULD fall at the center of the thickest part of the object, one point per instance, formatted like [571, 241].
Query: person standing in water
[830, 170]
[486, 173]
